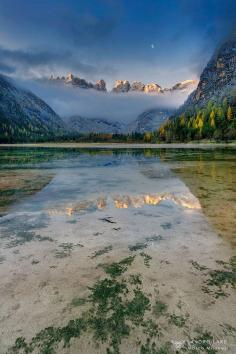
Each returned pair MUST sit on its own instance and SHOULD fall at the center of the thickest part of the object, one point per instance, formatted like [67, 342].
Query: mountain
[137, 86]
[148, 121]
[218, 79]
[78, 124]
[210, 111]
[74, 81]
[152, 87]
[122, 86]
[187, 85]
[25, 116]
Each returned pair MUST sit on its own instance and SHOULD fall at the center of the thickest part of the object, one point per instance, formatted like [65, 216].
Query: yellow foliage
[229, 114]
[147, 136]
[212, 119]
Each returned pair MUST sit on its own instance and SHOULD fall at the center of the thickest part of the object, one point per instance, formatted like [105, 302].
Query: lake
[107, 250]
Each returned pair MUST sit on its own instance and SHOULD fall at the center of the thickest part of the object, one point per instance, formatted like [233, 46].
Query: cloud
[204, 25]
[85, 29]
[6, 69]
[55, 22]
[90, 38]
[41, 38]
[33, 62]
[89, 103]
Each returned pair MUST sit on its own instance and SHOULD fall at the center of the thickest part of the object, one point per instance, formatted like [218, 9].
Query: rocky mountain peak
[218, 76]
[121, 86]
[100, 85]
[124, 86]
[184, 85]
[152, 87]
[69, 78]
[137, 86]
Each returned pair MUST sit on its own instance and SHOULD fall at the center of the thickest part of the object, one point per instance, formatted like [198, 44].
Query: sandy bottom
[41, 278]
[214, 186]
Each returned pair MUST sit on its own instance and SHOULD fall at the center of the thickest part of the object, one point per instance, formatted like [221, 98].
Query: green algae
[115, 269]
[115, 303]
[135, 279]
[138, 246]
[159, 308]
[146, 259]
[66, 249]
[177, 320]
[115, 306]
[102, 251]
[78, 301]
[218, 280]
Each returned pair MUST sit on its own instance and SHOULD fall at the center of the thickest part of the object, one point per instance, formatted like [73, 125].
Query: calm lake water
[66, 179]
[134, 246]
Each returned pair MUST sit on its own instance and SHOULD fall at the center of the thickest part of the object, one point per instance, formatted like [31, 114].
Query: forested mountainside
[24, 116]
[210, 110]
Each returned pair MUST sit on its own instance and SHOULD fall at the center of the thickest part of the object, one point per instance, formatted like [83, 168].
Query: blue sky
[164, 41]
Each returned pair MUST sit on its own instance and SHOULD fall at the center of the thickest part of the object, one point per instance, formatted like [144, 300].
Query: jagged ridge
[123, 86]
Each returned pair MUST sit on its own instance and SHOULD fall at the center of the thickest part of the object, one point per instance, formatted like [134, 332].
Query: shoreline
[124, 145]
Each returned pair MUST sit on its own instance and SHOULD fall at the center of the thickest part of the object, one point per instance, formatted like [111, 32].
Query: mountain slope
[185, 86]
[24, 116]
[218, 78]
[78, 124]
[210, 110]
[148, 121]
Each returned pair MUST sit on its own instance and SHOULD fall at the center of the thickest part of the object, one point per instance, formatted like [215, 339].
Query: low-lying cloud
[89, 103]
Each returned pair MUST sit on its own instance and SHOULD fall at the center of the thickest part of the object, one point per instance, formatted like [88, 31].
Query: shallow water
[82, 180]
[64, 211]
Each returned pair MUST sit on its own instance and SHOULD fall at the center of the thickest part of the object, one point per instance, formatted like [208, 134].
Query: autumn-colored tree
[229, 114]
[200, 123]
[182, 120]
[162, 131]
[212, 119]
[147, 136]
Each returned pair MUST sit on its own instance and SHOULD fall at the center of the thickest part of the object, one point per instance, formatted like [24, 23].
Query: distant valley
[147, 121]
[26, 117]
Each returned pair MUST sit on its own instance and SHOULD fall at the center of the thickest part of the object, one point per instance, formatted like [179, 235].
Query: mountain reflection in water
[73, 180]
[128, 201]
